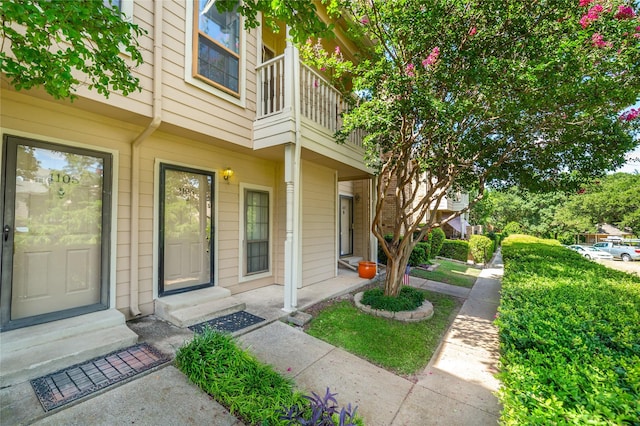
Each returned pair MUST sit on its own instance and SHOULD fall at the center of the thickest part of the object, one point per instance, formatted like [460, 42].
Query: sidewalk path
[456, 388]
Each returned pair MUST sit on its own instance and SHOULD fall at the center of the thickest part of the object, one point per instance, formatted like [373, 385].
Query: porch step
[186, 309]
[35, 351]
[352, 260]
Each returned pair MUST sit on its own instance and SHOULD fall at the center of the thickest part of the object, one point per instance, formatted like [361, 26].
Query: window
[217, 47]
[256, 226]
[124, 6]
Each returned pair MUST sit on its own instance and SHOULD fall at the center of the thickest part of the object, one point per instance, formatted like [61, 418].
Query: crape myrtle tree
[60, 45]
[463, 94]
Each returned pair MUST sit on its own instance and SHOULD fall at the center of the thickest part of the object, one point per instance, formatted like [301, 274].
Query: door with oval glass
[185, 229]
[55, 244]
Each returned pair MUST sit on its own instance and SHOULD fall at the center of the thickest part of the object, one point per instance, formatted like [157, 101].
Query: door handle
[6, 231]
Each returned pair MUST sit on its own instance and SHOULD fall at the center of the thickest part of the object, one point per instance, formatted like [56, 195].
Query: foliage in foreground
[408, 299]
[252, 390]
[570, 338]
[403, 348]
[249, 389]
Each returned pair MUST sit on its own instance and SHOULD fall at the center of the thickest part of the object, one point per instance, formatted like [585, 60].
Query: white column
[292, 261]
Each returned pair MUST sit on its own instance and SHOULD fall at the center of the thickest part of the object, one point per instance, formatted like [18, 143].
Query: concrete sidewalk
[456, 388]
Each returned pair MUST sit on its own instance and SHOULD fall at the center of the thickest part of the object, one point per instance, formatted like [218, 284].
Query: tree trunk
[396, 266]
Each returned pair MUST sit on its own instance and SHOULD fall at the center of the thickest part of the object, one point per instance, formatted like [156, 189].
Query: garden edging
[424, 312]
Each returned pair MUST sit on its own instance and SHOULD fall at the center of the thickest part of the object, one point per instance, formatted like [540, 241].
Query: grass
[400, 347]
[448, 272]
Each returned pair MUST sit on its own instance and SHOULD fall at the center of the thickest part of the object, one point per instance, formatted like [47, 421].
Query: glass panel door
[185, 229]
[54, 244]
[346, 225]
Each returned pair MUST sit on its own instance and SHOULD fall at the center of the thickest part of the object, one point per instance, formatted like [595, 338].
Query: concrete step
[352, 260]
[185, 309]
[35, 351]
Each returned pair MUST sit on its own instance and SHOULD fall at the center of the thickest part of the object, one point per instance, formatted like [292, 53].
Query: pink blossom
[632, 114]
[625, 12]
[598, 41]
[432, 58]
[337, 50]
[315, 83]
[594, 12]
[585, 21]
[409, 70]
[584, 3]
[364, 20]
[473, 31]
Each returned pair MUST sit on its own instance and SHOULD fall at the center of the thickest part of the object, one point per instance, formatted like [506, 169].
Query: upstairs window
[217, 47]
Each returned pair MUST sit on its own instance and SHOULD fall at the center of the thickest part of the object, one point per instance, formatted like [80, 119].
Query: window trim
[242, 259]
[195, 43]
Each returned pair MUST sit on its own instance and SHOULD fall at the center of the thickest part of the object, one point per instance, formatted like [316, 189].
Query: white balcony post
[292, 153]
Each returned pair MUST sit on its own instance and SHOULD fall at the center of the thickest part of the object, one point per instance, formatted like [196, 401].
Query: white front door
[55, 227]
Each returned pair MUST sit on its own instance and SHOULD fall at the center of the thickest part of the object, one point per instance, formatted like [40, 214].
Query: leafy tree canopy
[613, 199]
[467, 93]
[61, 44]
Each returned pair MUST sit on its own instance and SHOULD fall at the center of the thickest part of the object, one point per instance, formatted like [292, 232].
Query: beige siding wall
[189, 105]
[319, 198]
[49, 121]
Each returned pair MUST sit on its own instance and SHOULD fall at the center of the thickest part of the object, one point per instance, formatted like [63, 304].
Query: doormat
[69, 384]
[228, 323]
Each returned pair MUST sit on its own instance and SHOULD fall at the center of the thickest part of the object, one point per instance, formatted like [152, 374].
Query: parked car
[592, 252]
[626, 250]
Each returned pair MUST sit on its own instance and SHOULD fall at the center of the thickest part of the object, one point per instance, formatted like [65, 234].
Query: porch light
[227, 173]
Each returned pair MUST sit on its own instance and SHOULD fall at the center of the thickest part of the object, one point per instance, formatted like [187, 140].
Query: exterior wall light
[227, 173]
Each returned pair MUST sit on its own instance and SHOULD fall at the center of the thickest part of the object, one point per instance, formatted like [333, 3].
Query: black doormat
[228, 323]
[64, 386]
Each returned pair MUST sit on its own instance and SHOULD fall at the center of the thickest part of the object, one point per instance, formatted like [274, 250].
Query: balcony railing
[320, 102]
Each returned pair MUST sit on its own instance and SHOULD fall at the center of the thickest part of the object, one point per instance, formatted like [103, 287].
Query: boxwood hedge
[569, 336]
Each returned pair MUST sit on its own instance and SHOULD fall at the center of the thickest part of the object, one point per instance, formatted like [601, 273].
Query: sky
[633, 162]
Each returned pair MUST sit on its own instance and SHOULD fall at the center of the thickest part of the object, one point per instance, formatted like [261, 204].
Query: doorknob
[6, 231]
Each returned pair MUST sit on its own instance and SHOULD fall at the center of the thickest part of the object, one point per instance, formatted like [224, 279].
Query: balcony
[284, 80]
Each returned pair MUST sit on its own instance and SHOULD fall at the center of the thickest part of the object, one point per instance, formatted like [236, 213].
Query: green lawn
[401, 347]
[448, 272]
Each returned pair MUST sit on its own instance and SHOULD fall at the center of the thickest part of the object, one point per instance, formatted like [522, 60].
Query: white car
[592, 252]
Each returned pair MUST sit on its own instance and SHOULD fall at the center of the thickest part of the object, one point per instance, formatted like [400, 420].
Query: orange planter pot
[367, 269]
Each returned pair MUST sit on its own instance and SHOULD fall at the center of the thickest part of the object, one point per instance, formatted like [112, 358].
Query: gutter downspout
[134, 304]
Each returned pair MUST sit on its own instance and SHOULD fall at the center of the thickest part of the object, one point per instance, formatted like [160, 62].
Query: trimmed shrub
[436, 239]
[408, 299]
[481, 248]
[420, 254]
[455, 249]
[569, 338]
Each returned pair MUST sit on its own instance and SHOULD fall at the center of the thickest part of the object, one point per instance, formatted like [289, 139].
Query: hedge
[570, 338]
[481, 248]
[436, 239]
[455, 249]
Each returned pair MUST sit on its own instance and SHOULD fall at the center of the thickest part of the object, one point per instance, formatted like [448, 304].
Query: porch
[297, 104]
[35, 351]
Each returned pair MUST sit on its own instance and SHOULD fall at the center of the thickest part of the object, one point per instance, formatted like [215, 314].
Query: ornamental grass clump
[408, 299]
[249, 389]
